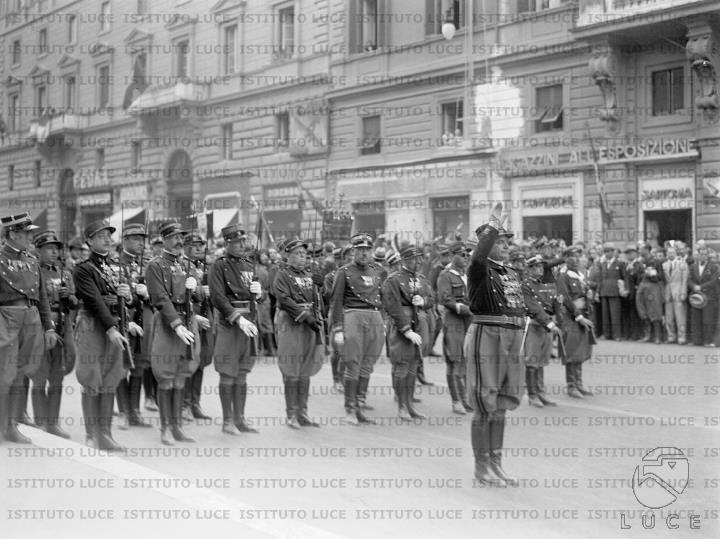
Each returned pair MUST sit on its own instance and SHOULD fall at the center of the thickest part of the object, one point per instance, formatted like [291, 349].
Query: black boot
[16, 408]
[480, 439]
[571, 381]
[457, 406]
[177, 416]
[541, 388]
[462, 392]
[226, 403]
[531, 381]
[401, 396]
[40, 406]
[185, 411]
[122, 394]
[196, 388]
[303, 395]
[103, 432]
[90, 406]
[164, 402]
[350, 402]
[134, 415]
[421, 373]
[151, 391]
[579, 382]
[54, 398]
[409, 387]
[291, 403]
[497, 434]
[239, 398]
[362, 390]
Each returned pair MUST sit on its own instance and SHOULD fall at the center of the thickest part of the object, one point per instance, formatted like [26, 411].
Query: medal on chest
[304, 283]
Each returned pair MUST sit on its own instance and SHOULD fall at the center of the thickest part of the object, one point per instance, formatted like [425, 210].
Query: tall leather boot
[40, 406]
[151, 391]
[531, 381]
[579, 382]
[571, 382]
[541, 388]
[90, 406]
[350, 402]
[16, 407]
[122, 394]
[401, 395]
[409, 386]
[21, 414]
[196, 388]
[421, 373]
[177, 417]
[497, 434]
[480, 439]
[164, 402]
[239, 398]
[362, 389]
[291, 404]
[461, 384]
[647, 328]
[103, 432]
[134, 415]
[226, 403]
[302, 402]
[54, 398]
[457, 406]
[185, 411]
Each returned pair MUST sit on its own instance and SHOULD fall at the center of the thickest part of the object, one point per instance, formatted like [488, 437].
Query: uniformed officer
[405, 295]
[358, 324]
[453, 296]
[232, 292]
[195, 250]
[343, 256]
[99, 337]
[24, 318]
[175, 352]
[300, 332]
[542, 303]
[576, 323]
[435, 315]
[78, 250]
[128, 391]
[492, 346]
[60, 360]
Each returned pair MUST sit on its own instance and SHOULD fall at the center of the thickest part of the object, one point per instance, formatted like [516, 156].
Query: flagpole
[607, 214]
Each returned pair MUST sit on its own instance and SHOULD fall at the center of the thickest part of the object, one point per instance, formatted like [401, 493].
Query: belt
[368, 308]
[499, 320]
[240, 304]
[305, 305]
[21, 302]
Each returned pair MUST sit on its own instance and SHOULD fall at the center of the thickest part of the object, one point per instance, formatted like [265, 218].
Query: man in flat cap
[300, 332]
[406, 294]
[176, 344]
[99, 336]
[60, 360]
[453, 296]
[130, 268]
[233, 293]
[492, 346]
[358, 324]
[343, 256]
[633, 276]
[26, 326]
[612, 272]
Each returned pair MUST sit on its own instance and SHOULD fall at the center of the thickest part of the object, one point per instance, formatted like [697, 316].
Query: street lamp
[448, 28]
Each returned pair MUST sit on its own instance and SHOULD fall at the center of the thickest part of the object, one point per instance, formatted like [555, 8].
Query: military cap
[534, 261]
[392, 258]
[20, 221]
[502, 233]
[345, 250]
[409, 251]
[291, 245]
[156, 240]
[573, 250]
[134, 230]
[630, 249]
[337, 253]
[443, 249]
[458, 247]
[47, 237]
[379, 254]
[77, 243]
[96, 226]
[233, 232]
[362, 240]
[315, 251]
[194, 239]
[169, 228]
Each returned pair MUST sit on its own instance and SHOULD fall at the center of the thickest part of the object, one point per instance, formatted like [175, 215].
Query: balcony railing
[158, 98]
[594, 12]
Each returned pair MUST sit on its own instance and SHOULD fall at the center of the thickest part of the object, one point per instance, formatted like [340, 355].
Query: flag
[607, 214]
[316, 203]
[138, 81]
[209, 221]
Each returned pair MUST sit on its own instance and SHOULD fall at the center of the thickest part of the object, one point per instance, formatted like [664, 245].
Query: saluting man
[98, 336]
[60, 360]
[176, 344]
[232, 292]
[357, 323]
[300, 332]
[24, 317]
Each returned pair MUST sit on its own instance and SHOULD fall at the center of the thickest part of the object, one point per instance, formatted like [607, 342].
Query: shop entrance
[662, 226]
[550, 226]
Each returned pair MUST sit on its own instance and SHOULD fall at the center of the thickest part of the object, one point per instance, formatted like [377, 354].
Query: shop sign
[667, 194]
[95, 199]
[549, 202]
[87, 179]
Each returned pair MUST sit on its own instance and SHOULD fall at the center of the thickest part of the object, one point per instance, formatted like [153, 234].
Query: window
[286, 32]
[182, 51]
[451, 115]
[70, 93]
[72, 28]
[526, 6]
[668, 89]
[229, 48]
[454, 12]
[282, 130]
[11, 177]
[103, 82]
[99, 158]
[365, 26]
[40, 99]
[226, 142]
[42, 41]
[548, 108]
[105, 17]
[135, 155]
[38, 173]
[14, 112]
[370, 135]
[142, 7]
[16, 52]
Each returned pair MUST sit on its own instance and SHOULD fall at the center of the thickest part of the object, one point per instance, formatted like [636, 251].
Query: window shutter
[383, 10]
[352, 27]
[430, 17]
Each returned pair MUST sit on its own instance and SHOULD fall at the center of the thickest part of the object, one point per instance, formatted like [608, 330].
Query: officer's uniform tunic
[577, 339]
[130, 272]
[541, 303]
[452, 290]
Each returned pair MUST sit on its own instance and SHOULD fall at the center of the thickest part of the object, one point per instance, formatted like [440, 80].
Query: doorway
[665, 225]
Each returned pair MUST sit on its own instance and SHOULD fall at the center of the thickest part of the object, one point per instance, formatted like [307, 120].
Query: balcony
[160, 99]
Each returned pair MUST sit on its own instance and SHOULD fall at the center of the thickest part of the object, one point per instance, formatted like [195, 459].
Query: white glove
[247, 327]
[206, 290]
[418, 301]
[339, 338]
[123, 290]
[255, 288]
[190, 284]
[185, 334]
[135, 330]
[141, 290]
[413, 337]
[585, 322]
[202, 322]
[552, 326]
